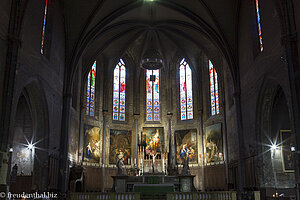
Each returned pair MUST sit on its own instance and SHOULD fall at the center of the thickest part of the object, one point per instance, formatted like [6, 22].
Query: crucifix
[153, 160]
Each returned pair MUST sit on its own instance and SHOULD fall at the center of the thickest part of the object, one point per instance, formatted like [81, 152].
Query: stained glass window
[152, 95]
[214, 90]
[90, 92]
[119, 91]
[259, 25]
[44, 27]
[186, 91]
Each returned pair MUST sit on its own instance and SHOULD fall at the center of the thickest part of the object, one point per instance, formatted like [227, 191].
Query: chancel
[150, 99]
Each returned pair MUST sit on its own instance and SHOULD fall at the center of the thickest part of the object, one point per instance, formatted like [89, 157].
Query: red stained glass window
[186, 91]
[152, 95]
[119, 91]
[90, 92]
[214, 90]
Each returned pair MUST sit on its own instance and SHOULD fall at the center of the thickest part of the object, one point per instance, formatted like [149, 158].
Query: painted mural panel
[186, 141]
[92, 144]
[120, 146]
[287, 145]
[153, 139]
[214, 143]
[73, 144]
[22, 156]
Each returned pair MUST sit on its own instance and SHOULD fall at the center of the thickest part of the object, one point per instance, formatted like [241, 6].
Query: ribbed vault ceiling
[113, 27]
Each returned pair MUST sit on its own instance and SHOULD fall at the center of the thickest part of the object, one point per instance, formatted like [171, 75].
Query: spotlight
[293, 149]
[274, 147]
[30, 146]
[11, 150]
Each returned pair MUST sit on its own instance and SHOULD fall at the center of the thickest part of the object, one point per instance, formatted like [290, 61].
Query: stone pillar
[202, 151]
[172, 154]
[81, 133]
[105, 113]
[136, 120]
[241, 144]
[64, 143]
[225, 146]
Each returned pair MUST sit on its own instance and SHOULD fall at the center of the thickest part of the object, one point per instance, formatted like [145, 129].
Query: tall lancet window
[90, 92]
[119, 91]
[259, 26]
[152, 95]
[186, 91]
[44, 27]
[214, 89]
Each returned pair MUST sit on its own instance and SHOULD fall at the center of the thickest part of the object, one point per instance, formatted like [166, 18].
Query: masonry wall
[4, 19]
[48, 69]
[40, 77]
[135, 113]
[256, 69]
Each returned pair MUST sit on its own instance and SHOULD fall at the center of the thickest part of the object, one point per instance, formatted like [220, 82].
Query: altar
[152, 163]
[150, 182]
[151, 155]
[152, 176]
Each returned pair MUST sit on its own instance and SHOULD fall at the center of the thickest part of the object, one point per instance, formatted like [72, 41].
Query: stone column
[202, 151]
[172, 154]
[81, 133]
[136, 120]
[225, 146]
[105, 113]
[64, 143]
[241, 143]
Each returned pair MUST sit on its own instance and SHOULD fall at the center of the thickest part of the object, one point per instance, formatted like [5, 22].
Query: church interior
[150, 99]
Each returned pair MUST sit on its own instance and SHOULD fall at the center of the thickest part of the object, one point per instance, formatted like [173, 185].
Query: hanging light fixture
[152, 58]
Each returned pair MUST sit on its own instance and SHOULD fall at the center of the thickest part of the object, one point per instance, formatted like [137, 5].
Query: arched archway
[275, 169]
[29, 139]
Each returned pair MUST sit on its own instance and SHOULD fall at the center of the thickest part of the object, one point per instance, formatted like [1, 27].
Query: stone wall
[256, 70]
[39, 77]
[135, 110]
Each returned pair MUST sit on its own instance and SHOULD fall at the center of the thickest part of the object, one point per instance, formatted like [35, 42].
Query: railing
[202, 196]
[104, 196]
[222, 195]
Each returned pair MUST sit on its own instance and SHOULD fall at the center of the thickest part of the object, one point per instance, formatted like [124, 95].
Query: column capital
[136, 116]
[291, 37]
[105, 112]
[200, 111]
[15, 39]
[237, 94]
[169, 115]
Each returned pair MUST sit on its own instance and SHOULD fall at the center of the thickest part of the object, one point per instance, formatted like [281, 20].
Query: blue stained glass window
[90, 92]
[152, 95]
[186, 91]
[119, 91]
[259, 25]
[44, 27]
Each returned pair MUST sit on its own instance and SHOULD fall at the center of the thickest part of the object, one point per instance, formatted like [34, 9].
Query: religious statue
[121, 167]
[89, 151]
[14, 173]
[184, 156]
